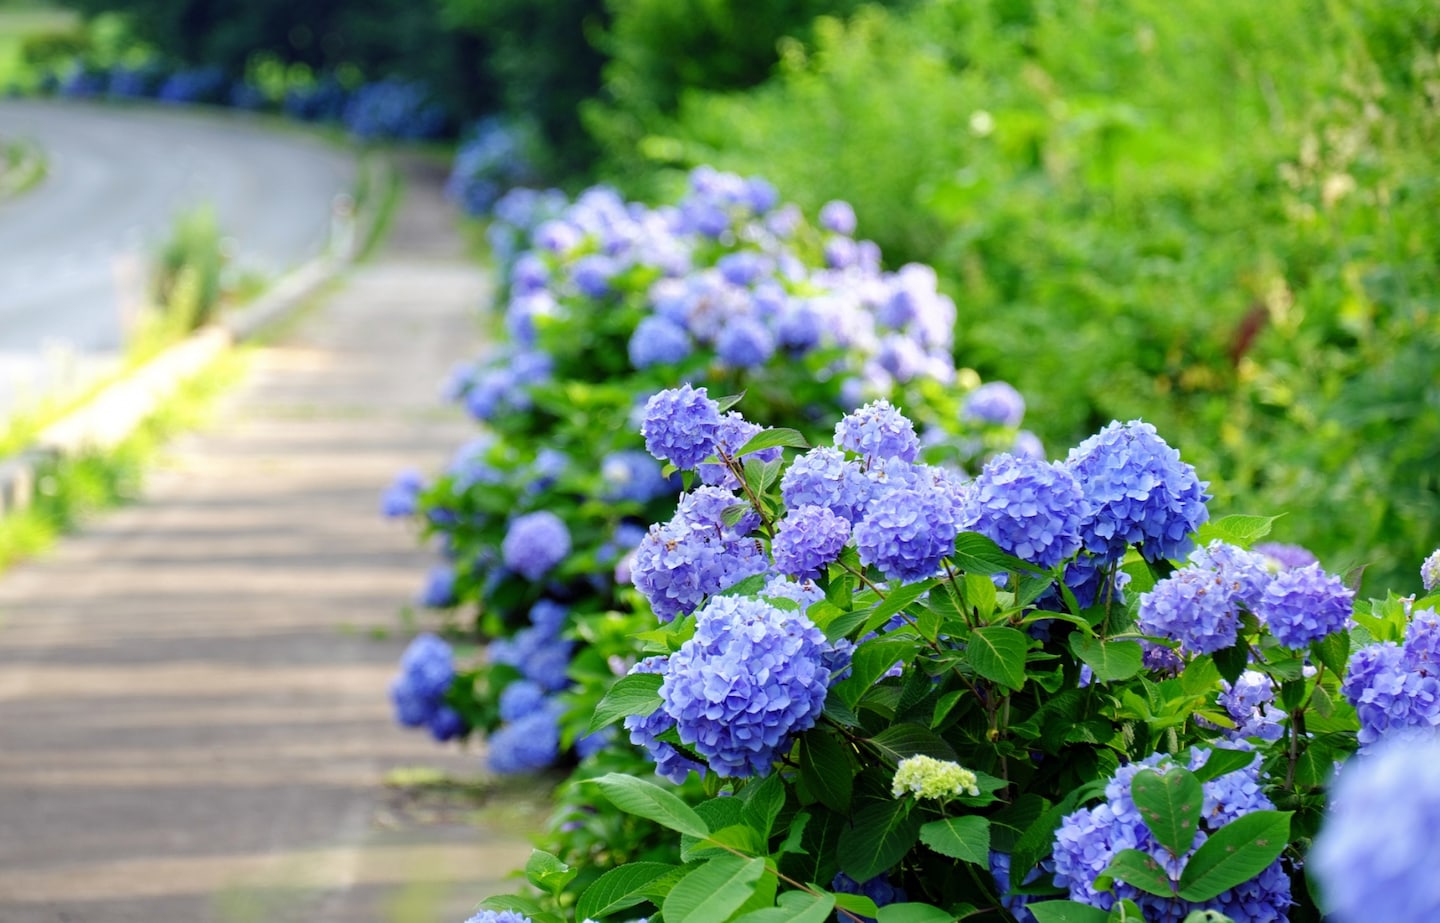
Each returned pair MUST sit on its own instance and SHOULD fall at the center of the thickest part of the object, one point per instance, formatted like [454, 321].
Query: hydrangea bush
[942, 730]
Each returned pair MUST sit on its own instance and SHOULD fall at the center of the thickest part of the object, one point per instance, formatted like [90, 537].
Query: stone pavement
[193, 718]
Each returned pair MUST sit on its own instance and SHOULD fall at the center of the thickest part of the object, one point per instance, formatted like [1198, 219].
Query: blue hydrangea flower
[1304, 604]
[548, 616]
[994, 402]
[535, 543]
[908, 535]
[825, 477]
[1016, 904]
[1031, 509]
[745, 343]
[1194, 606]
[439, 590]
[1250, 703]
[808, 539]
[730, 436]
[427, 668]
[751, 678]
[1088, 840]
[520, 698]
[680, 426]
[1246, 574]
[694, 555]
[528, 744]
[633, 475]
[1092, 581]
[499, 916]
[1396, 688]
[838, 216]
[1028, 444]
[1376, 853]
[878, 430]
[1139, 493]
[1283, 555]
[402, 497]
[658, 340]
[804, 593]
[445, 723]
[1430, 571]
[541, 656]
[645, 731]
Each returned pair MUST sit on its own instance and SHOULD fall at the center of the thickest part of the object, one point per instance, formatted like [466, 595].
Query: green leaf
[735, 512]
[880, 835]
[763, 802]
[1333, 651]
[635, 694]
[712, 892]
[771, 438]
[521, 905]
[1233, 660]
[857, 904]
[1200, 676]
[872, 660]
[913, 913]
[1237, 530]
[901, 740]
[894, 601]
[1125, 911]
[1066, 912]
[1170, 804]
[619, 889]
[825, 769]
[1222, 760]
[976, 553]
[980, 595]
[648, 800]
[1111, 661]
[795, 907]
[966, 838]
[547, 872]
[1139, 870]
[998, 654]
[1207, 916]
[729, 400]
[1234, 854]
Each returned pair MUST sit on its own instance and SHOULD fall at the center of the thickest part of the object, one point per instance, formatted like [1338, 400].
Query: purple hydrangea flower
[695, 555]
[744, 343]
[1139, 493]
[804, 593]
[658, 340]
[1031, 509]
[499, 916]
[402, 497]
[1396, 688]
[908, 534]
[1376, 853]
[1194, 606]
[1304, 604]
[1283, 555]
[1430, 571]
[751, 678]
[1028, 444]
[808, 539]
[645, 731]
[535, 543]
[878, 430]
[994, 402]
[838, 216]
[1250, 702]
[825, 477]
[680, 425]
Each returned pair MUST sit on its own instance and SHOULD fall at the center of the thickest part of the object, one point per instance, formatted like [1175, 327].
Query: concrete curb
[115, 411]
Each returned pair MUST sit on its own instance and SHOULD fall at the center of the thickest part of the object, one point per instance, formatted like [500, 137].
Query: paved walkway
[193, 720]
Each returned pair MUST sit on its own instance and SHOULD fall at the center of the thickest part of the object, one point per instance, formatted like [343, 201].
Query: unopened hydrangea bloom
[535, 543]
[808, 539]
[751, 678]
[1304, 604]
[1376, 854]
[1088, 839]
[645, 731]
[926, 777]
[995, 402]
[1430, 571]
[1396, 688]
[825, 477]
[1250, 702]
[1139, 493]
[878, 430]
[680, 426]
[908, 534]
[1031, 509]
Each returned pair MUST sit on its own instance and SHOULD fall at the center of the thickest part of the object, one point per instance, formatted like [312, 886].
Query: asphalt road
[73, 251]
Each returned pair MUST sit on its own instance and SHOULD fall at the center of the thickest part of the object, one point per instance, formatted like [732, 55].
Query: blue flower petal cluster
[730, 436]
[1304, 604]
[499, 916]
[825, 477]
[1281, 555]
[1031, 509]
[528, 743]
[680, 425]
[745, 343]
[1430, 571]
[995, 402]
[751, 678]
[1199, 604]
[695, 555]
[878, 430]
[1376, 854]
[658, 340]
[535, 543]
[1016, 904]
[808, 539]
[538, 651]
[1139, 493]
[907, 534]
[418, 693]
[403, 494]
[838, 216]
[1088, 840]
[1396, 688]
[645, 731]
[1250, 703]
[634, 476]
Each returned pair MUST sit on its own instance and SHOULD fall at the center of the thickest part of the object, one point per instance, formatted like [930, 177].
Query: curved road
[73, 251]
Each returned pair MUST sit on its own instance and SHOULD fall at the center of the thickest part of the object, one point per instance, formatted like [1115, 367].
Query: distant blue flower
[808, 539]
[878, 430]
[535, 543]
[427, 669]
[394, 108]
[1285, 555]
[527, 744]
[1028, 444]
[520, 698]
[751, 678]
[439, 590]
[1031, 509]
[680, 426]
[658, 340]
[633, 475]
[541, 656]
[1376, 854]
[1430, 571]
[994, 402]
[445, 723]
[1304, 604]
[402, 497]
[838, 216]
[1139, 493]
[744, 343]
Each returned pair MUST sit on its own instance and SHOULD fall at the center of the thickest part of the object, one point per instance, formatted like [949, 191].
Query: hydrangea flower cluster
[538, 651]
[926, 777]
[1396, 688]
[439, 589]
[751, 678]
[400, 109]
[1199, 604]
[1032, 509]
[645, 731]
[695, 555]
[1016, 904]
[535, 543]
[681, 426]
[878, 430]
[403, 495]
[491, 160]
[731, 436]
[1376, 854]
[1304, 604]
[418, 693]
[1430, 571]
[1089, 838]
[1250, 703]
[807, 540]
[995, 402]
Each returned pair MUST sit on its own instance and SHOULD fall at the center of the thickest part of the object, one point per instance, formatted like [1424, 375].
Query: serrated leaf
[1139, 870]
[1111, 661]
[619, 889]
[825, 769]
[1234, 854]
[998, 654]
[795, 907]
[966, 838]
[778, 437]
[1170, 804]
[712, 892]
[546, 872]
[910, 912]
[898, 741]
[880, 835]
[645, 799]
[1066, 912]
[635, 694]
